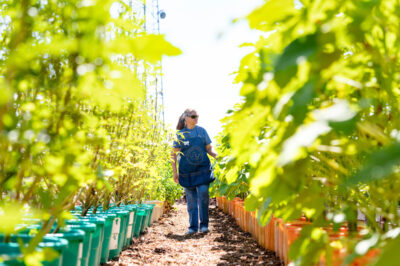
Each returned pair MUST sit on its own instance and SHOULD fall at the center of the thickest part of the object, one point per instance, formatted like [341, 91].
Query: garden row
[318, 130]
[278, 235]
[79, 124]
[84, 240]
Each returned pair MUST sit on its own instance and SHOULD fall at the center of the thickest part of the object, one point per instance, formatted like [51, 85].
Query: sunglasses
[193, 116]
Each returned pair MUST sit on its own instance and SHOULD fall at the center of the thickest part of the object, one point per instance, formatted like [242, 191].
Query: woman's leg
[191, 197]
[204, 200]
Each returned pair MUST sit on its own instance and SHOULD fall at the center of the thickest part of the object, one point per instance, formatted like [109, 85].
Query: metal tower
[149, 13]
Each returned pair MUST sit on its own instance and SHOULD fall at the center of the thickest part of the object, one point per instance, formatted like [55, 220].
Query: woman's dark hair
[181, 121]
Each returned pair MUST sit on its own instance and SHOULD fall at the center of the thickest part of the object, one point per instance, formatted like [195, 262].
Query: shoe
[204, 230]
[190, 232]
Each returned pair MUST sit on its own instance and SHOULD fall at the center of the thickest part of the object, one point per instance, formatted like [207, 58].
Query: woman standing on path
[195, 173]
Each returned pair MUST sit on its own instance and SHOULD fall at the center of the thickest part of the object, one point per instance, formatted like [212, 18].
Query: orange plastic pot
[246, 220]
[237, 210]
[278, 228]
[237, 213]
[262, 235]
[241, 216]
[224, 204]
[291, 233]
[267, 236]
[218, 199]
[257, 230]
[367, 259]
[234, 210]
[233, 206]
[221, 204]
[270, 235]
[339, 254]
[251, 223]
[234, 202]
[229, 207]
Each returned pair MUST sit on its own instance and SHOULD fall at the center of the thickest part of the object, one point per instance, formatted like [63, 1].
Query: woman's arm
[174, 153]
[210, 151]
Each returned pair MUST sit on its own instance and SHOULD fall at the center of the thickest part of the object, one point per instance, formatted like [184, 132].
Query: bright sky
[200, 77]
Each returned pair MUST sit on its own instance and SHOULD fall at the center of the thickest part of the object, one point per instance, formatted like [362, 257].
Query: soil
[165, 243]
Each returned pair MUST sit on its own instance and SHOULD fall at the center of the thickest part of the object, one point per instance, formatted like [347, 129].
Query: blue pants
[197, 202]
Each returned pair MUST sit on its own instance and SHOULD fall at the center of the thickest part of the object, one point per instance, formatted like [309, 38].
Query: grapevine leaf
[300, 100]
[347, 127]
[251, 202]
[304, 137]
[391, 254]
[263, 214]
[149, 47]
[10, 216]
[379, 165]
[264, 17]
[299, 50]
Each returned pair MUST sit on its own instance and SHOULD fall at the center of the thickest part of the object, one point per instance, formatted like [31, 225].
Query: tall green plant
[321, 112]
[69, 89]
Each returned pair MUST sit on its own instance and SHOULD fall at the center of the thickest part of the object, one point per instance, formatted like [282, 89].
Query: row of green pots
[86, 240]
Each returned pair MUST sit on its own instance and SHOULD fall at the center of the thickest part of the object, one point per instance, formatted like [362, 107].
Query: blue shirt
[186, 133]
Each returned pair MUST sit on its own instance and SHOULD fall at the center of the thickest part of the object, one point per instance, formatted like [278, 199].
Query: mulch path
[164, 243]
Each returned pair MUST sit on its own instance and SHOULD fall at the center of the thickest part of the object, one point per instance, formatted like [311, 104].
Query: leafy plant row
[76, 117]
[321, 115]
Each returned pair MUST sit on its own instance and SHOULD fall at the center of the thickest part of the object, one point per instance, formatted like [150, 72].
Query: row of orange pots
[278, 235]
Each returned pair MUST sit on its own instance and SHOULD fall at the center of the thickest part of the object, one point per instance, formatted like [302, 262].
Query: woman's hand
[210, 151]
[176, 178]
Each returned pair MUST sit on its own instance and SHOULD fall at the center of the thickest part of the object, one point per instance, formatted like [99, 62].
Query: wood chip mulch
[165, 243]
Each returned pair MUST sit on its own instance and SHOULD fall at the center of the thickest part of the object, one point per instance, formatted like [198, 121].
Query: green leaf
[263, 214]
[390, 255]
[223, 188]
[150, 47]
[379, 165]
[265, 17]
[251, 202]
[345, 127]
[304, 137]
[300, 101]
[10, 216]
[297, 51]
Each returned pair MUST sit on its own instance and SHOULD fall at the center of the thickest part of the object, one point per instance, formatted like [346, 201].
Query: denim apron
[194, 164]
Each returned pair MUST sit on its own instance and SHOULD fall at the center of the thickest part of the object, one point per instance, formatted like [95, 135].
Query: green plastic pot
[10, 254]
[140, 217]
[131, 223]
[145, 222]
[89, 229]
[27, 228]
[105, 250]
[97, 238]
[117, 227]
[57, 244]
[73, 253]
[123, 228]
[134, 207]
[150, 207]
